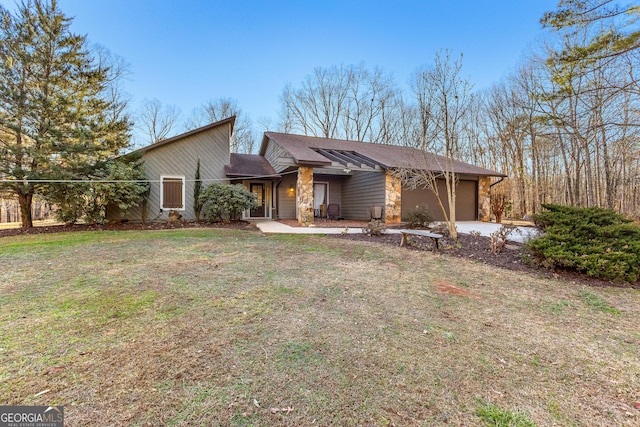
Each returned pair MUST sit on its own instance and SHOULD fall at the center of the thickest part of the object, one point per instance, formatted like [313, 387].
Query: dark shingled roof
[303, 150]
[249, 165]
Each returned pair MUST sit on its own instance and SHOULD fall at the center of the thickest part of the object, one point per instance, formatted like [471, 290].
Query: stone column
[304, 195]
[484, 200]
[392, 199]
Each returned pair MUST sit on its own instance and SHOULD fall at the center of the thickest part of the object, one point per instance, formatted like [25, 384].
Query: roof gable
[164, 142]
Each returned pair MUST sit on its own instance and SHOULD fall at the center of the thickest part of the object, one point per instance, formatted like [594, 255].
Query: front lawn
[228, 327]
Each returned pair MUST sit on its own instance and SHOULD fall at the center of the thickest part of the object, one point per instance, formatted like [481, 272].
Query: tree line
[564, 125]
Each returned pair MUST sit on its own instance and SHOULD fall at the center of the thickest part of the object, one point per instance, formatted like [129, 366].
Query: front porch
[309, 194]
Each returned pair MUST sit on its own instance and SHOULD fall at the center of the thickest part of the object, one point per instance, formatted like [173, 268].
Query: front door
[258, 192]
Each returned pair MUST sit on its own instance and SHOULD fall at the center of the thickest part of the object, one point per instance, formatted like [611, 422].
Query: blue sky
[185, 52]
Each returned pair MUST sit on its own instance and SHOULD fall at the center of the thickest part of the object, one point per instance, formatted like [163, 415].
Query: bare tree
[157, 121]
[348, 102]
[370, 95]
[510, 123]
[444, 101]
[317, 107]
[243, 138]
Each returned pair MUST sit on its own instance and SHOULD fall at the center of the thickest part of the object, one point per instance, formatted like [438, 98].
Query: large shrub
[421, 217]
[119, 182]
[224, 202]
[595, 241]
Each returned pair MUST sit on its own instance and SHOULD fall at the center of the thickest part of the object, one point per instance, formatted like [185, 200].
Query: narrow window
[172, 192]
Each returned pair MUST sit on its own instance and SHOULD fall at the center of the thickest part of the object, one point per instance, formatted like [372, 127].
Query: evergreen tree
[611, 28]
[58, 115]
[197, 189]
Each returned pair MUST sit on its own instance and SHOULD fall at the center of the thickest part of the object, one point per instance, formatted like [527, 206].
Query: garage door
[466, 200]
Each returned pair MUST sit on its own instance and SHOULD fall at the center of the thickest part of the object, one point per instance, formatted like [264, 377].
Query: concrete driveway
[522, 234]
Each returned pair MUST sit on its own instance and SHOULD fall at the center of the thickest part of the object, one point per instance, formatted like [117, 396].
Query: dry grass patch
[220, 327]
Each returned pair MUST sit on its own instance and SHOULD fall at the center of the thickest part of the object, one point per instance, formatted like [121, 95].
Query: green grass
[222, 327]
[596, 302]
[494, 416]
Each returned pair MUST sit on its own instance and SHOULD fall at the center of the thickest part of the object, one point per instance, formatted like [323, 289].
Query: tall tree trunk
[25, 201]
[567, 170]
[588, 173]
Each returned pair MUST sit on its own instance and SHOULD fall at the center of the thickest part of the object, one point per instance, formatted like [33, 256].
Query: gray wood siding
[180, 158]
[361, 191]
[335, 189]
[466, 200]
[274, 152]
[286, 200]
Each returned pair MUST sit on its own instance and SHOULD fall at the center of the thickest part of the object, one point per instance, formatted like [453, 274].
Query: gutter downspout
[497, 182]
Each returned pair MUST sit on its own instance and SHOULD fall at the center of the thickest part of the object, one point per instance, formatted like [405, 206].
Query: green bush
[119, 183]
[419, 218]
[224, 202]
[594, 241]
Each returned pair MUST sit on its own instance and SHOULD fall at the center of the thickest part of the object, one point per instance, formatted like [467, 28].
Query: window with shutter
[172, 192]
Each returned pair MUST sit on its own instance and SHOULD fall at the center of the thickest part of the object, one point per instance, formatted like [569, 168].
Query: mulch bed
[514, 256]
[475, 248]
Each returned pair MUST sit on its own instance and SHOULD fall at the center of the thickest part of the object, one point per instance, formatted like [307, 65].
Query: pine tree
[611, 29]
[58, 117]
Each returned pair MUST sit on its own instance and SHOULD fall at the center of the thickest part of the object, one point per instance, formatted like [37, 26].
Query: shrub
[594, 241]
[119, 183]
[419, 218]
[442, 228]
[499, 203]
[375, 227]
[499, 237]
[224, 202]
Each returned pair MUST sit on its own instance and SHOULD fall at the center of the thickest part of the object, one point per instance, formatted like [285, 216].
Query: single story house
[303, 177]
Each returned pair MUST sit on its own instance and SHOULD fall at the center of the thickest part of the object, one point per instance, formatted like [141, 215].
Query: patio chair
[333, 211]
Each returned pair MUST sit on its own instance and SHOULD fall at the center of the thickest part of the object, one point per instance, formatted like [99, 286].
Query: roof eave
[245, 176]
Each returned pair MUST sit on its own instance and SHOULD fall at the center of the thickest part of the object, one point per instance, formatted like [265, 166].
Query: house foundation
[304, 195]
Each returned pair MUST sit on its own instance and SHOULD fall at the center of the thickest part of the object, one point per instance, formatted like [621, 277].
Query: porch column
[484, 200]
[304, 195]
[392, 199]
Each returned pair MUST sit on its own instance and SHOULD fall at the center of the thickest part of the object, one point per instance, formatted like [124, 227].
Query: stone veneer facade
[392, 199]
[304, 195]
[484, 199]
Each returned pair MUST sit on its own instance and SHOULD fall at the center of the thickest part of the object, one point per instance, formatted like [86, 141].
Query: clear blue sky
[185, 52]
